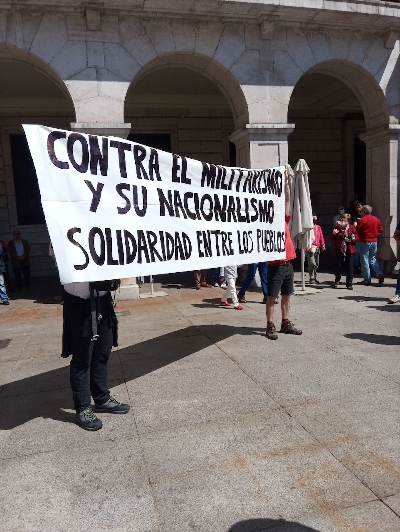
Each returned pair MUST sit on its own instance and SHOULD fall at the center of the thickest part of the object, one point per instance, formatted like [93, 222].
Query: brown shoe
[364, 283]
[381, 278]
[289, 328]
[271, 333]
[242, 299]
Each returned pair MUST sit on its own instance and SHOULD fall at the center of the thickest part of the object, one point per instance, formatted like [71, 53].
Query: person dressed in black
[90, 330]
[19, 251]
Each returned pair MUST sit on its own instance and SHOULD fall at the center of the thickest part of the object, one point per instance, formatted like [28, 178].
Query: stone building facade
[235, 82]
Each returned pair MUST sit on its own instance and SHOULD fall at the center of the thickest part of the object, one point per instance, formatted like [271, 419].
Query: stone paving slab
[43, 422]
[393, 502]
[375, 461]
[82, 488]
[195, 395]
[228, 431]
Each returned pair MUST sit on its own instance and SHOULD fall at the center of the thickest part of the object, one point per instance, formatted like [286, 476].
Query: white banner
[117, 209]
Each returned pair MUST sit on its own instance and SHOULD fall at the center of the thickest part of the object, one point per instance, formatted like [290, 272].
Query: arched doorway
[329, 123]
[30, 92]
[188, 104]
[342, 130]
[176, 104]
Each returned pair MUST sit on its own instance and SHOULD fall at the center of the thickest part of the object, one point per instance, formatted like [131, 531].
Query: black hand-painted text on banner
[118, 209]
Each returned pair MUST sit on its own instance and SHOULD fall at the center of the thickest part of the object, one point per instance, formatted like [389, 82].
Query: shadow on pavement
[42, 291]
[270, 525]
[24, 400]
[374, 338]
[207, 303]
[363, 298]
[387, 308]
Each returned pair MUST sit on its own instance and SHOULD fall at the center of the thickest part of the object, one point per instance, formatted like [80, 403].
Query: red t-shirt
[368, 228]
[289, 247]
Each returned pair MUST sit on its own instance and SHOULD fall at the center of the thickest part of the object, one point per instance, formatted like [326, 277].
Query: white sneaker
[395, 299]
[224, 285]
[216, 285]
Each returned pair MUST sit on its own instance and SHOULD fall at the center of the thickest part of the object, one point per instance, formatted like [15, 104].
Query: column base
[129, 290]
[104, 129]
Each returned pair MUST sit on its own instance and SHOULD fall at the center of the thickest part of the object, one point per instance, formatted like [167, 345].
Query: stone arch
[365, 87]
[332, 133]
[209, 68]
[31, 91]
[24, 58]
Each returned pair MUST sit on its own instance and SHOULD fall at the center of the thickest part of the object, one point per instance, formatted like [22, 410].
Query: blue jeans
[357, 261]
[251, 271]
[368, 252]
[3, 293]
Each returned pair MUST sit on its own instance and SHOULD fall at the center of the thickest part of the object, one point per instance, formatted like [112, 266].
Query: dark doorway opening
[232, 154]
[157, 141]
[360, 170]
[27, 195]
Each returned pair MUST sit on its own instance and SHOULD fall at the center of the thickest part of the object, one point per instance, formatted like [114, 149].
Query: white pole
[303, 284]
[151, 285]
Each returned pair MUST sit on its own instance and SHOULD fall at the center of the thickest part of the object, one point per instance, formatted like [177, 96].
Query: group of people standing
[18, 250]
[355, 244]
[355, 241]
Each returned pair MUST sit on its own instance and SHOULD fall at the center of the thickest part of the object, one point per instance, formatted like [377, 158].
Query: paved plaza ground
[228, 431]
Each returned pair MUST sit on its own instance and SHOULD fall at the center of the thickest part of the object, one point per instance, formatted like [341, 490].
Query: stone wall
[197, 133]
[37, 234]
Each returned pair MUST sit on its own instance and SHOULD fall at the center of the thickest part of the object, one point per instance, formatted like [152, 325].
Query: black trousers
[25, 270]
[89, 373]
[345, 262]
[88, 369]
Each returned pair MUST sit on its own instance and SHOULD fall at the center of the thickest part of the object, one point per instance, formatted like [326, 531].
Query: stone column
[382, 191]
[262, 145]
[129, 287]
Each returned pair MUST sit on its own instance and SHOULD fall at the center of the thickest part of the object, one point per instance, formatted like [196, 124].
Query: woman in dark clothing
[344, 237]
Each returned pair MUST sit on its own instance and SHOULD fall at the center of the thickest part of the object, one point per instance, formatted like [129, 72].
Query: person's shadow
[270, 525]
[381, 339]
[137, 360]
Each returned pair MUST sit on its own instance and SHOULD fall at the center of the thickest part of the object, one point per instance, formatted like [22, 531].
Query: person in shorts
[281, 279]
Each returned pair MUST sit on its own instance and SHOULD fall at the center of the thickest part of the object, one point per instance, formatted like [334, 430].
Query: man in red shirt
[281, 279]
[368, 229]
